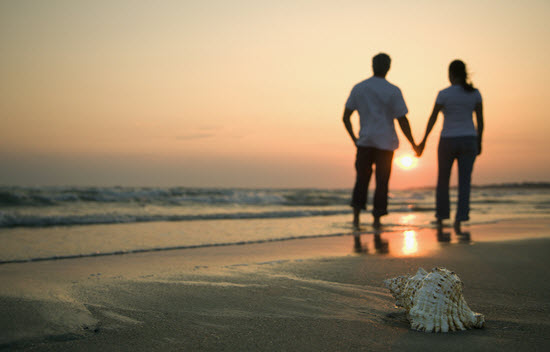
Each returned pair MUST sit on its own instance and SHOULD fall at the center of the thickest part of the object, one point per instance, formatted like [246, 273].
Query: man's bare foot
[376, 223]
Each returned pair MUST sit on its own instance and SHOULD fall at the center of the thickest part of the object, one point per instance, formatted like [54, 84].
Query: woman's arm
[479, 119]
[429, 127]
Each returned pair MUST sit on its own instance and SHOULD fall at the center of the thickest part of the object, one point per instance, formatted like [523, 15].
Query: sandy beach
[322, 294]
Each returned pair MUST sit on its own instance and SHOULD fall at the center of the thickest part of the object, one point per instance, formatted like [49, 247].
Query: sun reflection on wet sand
[407, 243]
[410, 244]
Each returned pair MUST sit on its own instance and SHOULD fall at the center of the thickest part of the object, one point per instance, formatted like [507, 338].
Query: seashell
[434, 301]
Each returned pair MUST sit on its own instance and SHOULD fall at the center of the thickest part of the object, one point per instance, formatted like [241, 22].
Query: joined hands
[419, 149]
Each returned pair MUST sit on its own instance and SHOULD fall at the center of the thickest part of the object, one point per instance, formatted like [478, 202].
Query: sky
[251, 93]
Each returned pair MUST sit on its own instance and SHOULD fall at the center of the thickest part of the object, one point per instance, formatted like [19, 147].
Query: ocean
[42, 223]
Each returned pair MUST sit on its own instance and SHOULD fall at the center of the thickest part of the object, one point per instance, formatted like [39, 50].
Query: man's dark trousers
[367, 157]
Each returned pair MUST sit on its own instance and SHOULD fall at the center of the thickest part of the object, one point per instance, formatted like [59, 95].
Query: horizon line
[522, 184]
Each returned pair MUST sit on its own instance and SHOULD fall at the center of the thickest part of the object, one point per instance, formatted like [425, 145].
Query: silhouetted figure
[460, 140]
[378, 103]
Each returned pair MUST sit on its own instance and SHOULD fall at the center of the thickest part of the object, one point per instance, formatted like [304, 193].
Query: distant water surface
[42, 222]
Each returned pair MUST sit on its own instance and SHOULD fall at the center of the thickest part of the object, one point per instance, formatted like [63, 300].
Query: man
[378, 103]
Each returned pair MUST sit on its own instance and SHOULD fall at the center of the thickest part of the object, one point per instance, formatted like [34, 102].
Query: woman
[459, 140]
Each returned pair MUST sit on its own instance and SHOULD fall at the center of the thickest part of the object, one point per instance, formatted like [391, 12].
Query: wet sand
[322, 294]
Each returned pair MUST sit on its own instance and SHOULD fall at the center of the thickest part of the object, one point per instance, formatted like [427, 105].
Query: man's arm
[406, 128]
[347, 122]
[479, 120]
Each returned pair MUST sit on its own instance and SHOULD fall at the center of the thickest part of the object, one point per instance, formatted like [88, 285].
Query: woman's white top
[458, 106]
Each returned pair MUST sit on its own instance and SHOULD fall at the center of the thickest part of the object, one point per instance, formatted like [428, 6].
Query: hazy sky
[251, 93]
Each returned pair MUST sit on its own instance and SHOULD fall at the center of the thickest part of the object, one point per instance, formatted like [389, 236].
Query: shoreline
[500, 231]
[314, 293]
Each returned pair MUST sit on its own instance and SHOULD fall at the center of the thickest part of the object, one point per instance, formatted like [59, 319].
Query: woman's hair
[457, 69]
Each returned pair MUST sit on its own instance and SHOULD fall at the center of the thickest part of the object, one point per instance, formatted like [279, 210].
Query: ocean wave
[51, 196]
[10, 220]
[15, 219]
[65, 206]
[494, 201]
[19, 197]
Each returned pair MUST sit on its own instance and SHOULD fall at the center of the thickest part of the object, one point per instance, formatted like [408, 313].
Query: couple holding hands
[378, 103]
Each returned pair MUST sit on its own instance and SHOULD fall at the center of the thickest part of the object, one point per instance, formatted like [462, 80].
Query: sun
[407, 162]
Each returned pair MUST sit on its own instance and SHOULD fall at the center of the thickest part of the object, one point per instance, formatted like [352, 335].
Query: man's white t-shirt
[378, 103]
[458, 105]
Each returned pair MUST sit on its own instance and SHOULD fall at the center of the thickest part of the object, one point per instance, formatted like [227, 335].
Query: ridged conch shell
[434, 301]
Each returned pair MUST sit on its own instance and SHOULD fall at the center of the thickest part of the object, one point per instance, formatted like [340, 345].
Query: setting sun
[407, 162]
